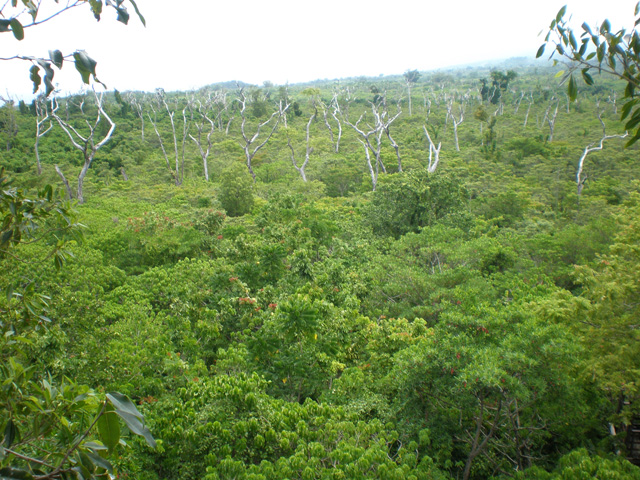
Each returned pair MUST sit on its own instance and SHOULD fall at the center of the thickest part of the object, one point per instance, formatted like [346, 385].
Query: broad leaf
[35, 77]
[109, 428]
[98, 461]
[17, 29]
[10, 473]
[4, 25]
[572, 89]
[137, 427]
[122, 403]
[125, 408]
[85, 65]
[56, 58]
[135, 7]
[96, 8]
[123, 15]
[10, 434]
[48, 77]
[588, 79]
[540, 51]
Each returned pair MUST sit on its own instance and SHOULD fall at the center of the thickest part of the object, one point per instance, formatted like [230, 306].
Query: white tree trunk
[592, 147]
[85, 143]
[434, 152]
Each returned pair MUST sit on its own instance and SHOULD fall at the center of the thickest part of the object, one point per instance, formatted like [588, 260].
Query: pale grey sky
[192, 43]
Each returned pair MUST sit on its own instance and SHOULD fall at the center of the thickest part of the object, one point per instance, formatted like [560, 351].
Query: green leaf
[96, 8]
[131, 416]
[10, 434]
[17, 29]
[6, 236]
[606, 26]
[588, 79]
[633, 139]
[136, 426]
[48, 77]
[100, 462]
[85, 65]
[626, 108]
[58, 263]
[56, 58]
[109, 428]
[559, 74]
[122, 403]
[572, 41]
[4, 25]
[587, 28]
[540, 51]
[123, 15]
[634, 121]
[583, 47]
[135, 7]
[572, 88]
[561, 13]
[10, 473]
[95, 446]
[86, 461]
[32, 7]
[601, 51]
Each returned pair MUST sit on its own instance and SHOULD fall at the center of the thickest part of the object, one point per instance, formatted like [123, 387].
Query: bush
[236, 190]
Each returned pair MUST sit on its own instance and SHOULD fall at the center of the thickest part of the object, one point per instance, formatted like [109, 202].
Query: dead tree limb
[86, 142]
[592, 147]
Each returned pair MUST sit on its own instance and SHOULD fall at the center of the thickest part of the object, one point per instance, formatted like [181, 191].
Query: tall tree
[179, 143]
[411, 77]
[248, 139]
[208, 125]
[42, 115]
[371, 137]
[86, 142]
[592, 147]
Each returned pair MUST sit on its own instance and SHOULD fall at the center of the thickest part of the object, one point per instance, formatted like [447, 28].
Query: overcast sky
[192, 43]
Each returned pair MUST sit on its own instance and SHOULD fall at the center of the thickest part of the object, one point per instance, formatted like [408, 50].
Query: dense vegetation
[470, 317]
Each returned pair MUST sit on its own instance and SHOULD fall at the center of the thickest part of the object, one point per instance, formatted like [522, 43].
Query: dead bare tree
[138, 108]
[551, 119]
[42, 115]
[526, 117]
[335, 107]
[249, 140]
[336, 116]
[86, 143]
[387, 131]
[456, 121]
[382, 121]
[309, 150]
[203, 111]
[518, 101]
[592, 147]
[434, 152]
[613, 100]
[178, 172]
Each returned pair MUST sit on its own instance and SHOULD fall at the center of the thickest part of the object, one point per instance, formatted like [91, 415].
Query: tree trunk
[65, 182]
